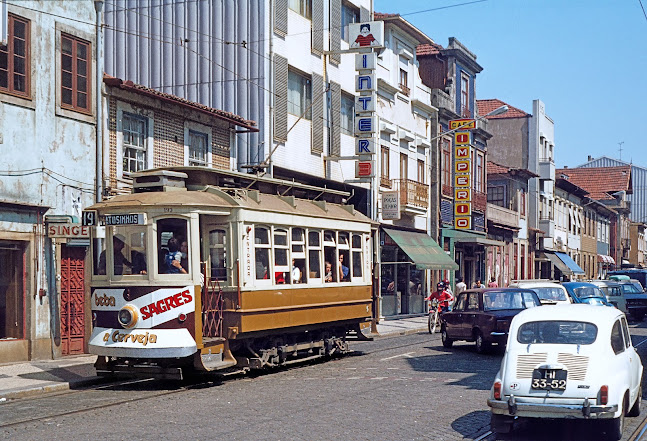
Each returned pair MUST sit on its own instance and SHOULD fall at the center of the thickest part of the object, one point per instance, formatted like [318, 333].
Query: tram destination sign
[125, 219]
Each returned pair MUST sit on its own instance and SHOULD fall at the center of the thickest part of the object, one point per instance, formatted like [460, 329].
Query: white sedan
[575, 361]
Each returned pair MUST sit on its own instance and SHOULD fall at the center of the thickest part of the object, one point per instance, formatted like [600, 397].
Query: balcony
[547, 225]
[404, 90]
[546, 169]
[441, 99]
[414, 196]
[502, 216]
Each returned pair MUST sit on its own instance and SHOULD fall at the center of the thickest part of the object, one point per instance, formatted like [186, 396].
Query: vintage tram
[200, 270]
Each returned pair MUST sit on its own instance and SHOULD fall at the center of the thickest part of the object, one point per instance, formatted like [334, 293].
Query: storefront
[406, 259]
[558, 266]
[469, 249]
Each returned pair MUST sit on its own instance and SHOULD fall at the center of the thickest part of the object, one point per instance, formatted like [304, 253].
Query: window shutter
[280, 98]
[335, 30]
[335, 103]
[318, 109]
[281, 17]
[318, 27]
[364, 15]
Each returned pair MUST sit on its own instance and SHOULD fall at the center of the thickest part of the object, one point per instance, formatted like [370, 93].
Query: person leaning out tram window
[173, 258]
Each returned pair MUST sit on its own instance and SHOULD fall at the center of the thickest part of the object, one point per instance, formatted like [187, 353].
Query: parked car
[585, 292]
[575, 361]
[636, 299]
[483, 315]
[636, 273]
[549, 292]
[612, 292]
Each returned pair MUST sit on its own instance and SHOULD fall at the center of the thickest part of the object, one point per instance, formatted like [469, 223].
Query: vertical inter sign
[462, 172]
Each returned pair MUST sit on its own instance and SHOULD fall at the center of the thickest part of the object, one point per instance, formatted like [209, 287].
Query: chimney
[590, 158]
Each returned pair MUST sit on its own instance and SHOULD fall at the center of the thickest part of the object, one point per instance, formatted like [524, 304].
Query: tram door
[72, 294]
[214, 254]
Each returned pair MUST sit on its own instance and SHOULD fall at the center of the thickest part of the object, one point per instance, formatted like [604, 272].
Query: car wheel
[617, 425]
[635, 409]
[447, 342]
[501, 423]
[481, 345]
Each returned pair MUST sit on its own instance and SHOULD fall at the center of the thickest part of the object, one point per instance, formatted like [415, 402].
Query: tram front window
[128, 251]
[173, 248]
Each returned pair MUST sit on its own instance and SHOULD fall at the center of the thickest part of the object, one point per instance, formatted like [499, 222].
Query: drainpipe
[98, 7]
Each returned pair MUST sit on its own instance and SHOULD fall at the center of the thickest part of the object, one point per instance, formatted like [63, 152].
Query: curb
[399, 333]
[49, 388]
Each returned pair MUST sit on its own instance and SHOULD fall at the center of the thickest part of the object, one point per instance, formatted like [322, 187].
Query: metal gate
[72, 294]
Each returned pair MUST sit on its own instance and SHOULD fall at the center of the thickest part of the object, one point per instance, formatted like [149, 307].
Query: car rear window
[497, 300]
[584, 292]
[550, 293]
[557, 332]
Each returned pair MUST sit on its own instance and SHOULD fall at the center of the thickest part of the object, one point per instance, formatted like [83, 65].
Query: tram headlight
[128, 316]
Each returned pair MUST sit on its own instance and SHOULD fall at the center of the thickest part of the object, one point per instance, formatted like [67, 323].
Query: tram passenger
[344, 271]
[118, 243]
[173, 259]
[296, 273]
[328, 276]
[184, 250]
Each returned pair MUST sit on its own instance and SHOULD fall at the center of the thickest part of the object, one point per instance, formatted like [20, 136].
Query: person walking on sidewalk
[492, 283]
[460, 286]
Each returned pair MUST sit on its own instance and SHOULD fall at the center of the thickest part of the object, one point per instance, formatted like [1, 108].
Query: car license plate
[548, 379]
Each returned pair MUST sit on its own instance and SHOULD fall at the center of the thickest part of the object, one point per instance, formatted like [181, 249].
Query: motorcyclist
[442, 295]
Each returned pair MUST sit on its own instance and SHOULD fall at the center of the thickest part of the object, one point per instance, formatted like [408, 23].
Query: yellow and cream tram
[189, 273]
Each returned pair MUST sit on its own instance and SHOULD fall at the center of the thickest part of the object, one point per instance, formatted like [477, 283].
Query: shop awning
[573, 268]
[422, 250]
[467, 237]
[604, 258]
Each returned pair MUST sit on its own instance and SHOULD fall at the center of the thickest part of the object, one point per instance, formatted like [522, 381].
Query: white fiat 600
[572, 361]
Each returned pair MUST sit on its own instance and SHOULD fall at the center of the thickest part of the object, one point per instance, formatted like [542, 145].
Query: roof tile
[600, 182]
[486, 106]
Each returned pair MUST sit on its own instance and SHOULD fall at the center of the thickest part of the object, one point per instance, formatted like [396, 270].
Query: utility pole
[620, 149]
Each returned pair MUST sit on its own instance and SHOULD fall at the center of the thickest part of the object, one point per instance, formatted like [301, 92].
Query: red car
[483, 315]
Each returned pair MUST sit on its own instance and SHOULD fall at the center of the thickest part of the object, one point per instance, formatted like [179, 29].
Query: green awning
[422, 250]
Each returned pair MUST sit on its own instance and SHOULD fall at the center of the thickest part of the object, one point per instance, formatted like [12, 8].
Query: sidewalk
[24, 379]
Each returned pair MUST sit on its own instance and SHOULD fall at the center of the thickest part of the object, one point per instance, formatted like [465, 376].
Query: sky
[585, 59]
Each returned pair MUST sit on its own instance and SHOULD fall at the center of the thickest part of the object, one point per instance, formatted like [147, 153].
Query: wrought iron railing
[412, 192]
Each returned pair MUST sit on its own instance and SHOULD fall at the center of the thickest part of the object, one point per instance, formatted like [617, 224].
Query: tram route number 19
[89, 218]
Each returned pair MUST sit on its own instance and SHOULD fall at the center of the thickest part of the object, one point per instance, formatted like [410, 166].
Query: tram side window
[298, 256]
[128, 251]
[357, 255]
[281, 268]
[344, 257]
[262, 252]
[173, 248]
[314, 254]
[218, 254]
[330, 256]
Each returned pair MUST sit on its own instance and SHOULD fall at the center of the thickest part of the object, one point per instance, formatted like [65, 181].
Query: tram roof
[213, 198]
